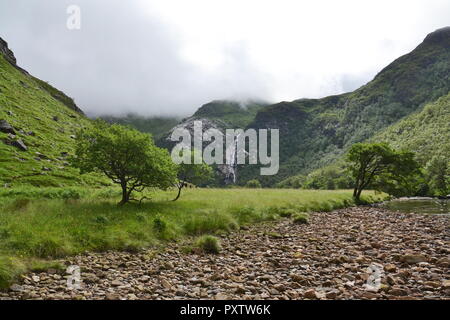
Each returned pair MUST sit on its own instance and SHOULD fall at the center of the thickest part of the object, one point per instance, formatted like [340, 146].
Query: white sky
[171, 56]
[302, 47]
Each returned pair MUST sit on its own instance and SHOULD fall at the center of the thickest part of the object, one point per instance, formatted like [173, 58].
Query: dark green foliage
[437, 173]
[380, 166]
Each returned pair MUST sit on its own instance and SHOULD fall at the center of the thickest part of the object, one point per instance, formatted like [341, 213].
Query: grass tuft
[208, 244]
[301, 218]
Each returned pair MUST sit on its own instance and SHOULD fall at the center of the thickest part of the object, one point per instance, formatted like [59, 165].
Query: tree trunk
[179, 191]
[125, 194]
[358, 195]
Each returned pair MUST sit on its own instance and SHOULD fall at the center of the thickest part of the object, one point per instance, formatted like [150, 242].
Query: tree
[192, 173]
[380, 165]
[437, 173]
[126, 156]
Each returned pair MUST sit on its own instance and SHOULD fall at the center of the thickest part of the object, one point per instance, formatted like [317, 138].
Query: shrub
[301, 218]
[253, 184]
[208, 244]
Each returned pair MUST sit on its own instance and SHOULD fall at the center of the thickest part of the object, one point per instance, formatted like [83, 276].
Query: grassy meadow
[40, 225]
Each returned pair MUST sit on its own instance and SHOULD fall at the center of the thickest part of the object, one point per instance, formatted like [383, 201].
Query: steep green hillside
[427, 132]
[316, 132]
[157, 126]
[44, 121]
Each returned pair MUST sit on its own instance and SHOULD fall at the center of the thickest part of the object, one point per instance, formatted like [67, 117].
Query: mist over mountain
[167, 58]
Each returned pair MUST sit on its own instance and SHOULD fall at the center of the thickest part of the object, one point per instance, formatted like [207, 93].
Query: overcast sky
[168, 57]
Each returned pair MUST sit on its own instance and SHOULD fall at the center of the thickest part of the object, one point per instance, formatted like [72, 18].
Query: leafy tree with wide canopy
[380, 166]
[126, 156]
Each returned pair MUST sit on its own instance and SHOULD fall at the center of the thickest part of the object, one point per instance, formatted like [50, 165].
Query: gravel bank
[326, 259]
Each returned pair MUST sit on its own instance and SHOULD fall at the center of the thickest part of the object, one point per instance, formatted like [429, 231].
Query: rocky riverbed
[329, 258]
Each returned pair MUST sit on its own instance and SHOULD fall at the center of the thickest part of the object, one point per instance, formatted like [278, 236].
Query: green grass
[30, 105]
[301, 218]
[34, 227]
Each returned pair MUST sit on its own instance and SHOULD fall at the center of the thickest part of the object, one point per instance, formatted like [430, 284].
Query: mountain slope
[427, 132]
[233, 114]
[316, 132]
[157, 126]
[43, 123]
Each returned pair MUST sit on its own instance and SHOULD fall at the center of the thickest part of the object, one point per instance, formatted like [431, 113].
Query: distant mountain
[37, 126]
[316, 132]
[157, 126]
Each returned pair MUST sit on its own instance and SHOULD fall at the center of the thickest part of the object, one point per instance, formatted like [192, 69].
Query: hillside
[37, 127]
[426, 132]
[316, 132]
[233, 114]
[157, 126]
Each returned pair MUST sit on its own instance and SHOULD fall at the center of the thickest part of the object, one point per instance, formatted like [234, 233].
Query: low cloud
[168, 58]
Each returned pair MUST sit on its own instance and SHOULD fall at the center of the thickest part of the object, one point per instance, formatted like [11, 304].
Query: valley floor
[326, 259]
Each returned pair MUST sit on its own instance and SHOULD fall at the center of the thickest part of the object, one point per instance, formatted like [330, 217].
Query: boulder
[6, 127]
[19, 144]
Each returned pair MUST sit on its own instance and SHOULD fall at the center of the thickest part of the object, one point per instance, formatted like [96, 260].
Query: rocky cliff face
[8, 54]
[227, 171]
